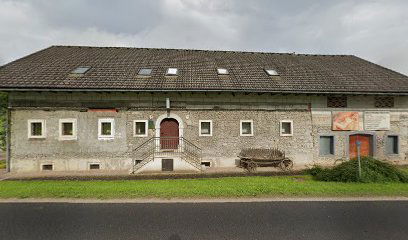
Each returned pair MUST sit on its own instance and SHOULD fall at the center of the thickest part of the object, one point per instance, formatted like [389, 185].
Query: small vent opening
[94, 166]
[47, 167]
[206, 164]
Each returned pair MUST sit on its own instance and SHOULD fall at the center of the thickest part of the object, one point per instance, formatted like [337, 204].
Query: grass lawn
[282, 186]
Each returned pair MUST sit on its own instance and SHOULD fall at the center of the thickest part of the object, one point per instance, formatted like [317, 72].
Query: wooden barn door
[169, 134]
[366, 147]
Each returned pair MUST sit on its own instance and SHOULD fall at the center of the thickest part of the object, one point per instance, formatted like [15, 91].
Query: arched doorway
[366, 145]
[169, 133]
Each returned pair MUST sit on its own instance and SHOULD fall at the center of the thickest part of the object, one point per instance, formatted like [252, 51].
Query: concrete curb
[204, 200]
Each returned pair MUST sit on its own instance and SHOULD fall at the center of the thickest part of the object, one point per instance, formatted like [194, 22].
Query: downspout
[8, 136]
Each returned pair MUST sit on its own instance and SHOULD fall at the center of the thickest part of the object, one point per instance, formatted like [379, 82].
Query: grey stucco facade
[310, 115]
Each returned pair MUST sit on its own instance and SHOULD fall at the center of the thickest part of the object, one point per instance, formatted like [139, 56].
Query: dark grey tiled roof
[117, 69]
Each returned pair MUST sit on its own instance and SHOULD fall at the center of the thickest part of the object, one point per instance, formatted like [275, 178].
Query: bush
[2, 164]
[372, 170]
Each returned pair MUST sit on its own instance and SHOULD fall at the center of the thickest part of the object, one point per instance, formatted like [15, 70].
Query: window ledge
[106, 138]
[36, 137]
[145, 135]
[247, 135]
[67, 138]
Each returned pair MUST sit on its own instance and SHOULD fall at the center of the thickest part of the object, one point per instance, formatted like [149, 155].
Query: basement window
[36, 128]
[205, 128]
[145, 72]
[94, 166]
[271, 72]
[286, 128]
[47, 167]
[68, 129]
[392, 144]
[81, 70]
[206, 164]
[247, 128]
[106, 128]
[326, 145]
[172, 71]
[222, 71]
[140, 128]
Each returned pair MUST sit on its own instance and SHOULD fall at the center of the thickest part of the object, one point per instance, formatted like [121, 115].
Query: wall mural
[345, 121]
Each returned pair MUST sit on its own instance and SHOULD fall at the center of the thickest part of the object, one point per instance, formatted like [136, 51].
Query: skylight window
[172, 71]
[145, 72]
[222, 71]
[81, 70]
[271, 72]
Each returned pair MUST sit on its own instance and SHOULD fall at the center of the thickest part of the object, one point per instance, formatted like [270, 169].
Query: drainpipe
[8, 136]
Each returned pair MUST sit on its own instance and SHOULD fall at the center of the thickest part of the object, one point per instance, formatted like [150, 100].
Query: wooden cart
[251, 158]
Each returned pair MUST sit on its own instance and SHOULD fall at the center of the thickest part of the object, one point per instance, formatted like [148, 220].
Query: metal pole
[359, 159]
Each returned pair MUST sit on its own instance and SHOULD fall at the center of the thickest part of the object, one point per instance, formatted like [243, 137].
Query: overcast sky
[374, 30]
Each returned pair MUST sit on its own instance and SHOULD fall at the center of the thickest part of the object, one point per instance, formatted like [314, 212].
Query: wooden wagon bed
[251, 158]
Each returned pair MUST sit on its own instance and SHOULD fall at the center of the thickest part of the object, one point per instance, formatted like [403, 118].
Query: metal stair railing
[168, 146]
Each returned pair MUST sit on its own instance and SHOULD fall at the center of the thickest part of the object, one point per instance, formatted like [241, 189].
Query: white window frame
[43, 128]
[240, 128]
[199, 128]
[74, 129]
[106, 120]
[281, 129]
[134, 128]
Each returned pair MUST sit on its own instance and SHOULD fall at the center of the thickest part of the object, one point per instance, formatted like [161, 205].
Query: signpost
[358, 143]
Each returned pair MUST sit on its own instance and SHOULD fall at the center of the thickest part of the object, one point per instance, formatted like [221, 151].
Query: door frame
[169, 115]
[373, 136]
[170, 144]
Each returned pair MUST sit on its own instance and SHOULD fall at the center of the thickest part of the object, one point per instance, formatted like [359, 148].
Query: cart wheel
[251, 166]
[286, 164]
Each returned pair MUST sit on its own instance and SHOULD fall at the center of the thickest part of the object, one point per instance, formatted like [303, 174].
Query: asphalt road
[178, 221]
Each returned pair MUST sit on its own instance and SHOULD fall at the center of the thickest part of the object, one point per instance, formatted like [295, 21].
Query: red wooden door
[365, 147]
[169, 134]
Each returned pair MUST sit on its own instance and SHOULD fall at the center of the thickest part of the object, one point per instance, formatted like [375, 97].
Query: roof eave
[197, 90]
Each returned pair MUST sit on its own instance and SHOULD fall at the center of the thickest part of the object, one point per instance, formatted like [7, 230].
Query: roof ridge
[203, 50]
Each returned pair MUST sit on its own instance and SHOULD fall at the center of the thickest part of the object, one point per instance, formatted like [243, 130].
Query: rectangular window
[326, 145]
[94, 166]
[36, 128]
[106, 128]
[247, 128]
[47, 167]
[140, 128]
[392, 145]
[337, 101]
[67, 129]
[286, 128]
[205, 128]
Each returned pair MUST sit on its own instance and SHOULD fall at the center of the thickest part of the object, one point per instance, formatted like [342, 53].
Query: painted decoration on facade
[377, 121]
[345, 121]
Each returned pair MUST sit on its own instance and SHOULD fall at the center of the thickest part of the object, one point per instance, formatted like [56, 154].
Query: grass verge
[230, 187]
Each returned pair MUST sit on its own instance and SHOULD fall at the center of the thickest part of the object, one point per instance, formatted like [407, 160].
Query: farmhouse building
[136, 109]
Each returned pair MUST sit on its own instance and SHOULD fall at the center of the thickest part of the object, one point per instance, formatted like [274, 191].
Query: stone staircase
[166, 147]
